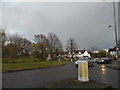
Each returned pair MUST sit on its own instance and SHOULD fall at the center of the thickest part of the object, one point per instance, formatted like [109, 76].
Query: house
[76, 54]
[113, 51]
[86, 54]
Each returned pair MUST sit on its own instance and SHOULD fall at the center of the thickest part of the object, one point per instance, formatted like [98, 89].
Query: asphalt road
[40, 77]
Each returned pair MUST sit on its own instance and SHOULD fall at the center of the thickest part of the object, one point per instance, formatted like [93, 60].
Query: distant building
[106, 50]
[96, 51]
[76, 54]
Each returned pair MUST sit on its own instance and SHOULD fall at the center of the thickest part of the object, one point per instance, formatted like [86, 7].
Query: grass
[29, 65]
[20, 60]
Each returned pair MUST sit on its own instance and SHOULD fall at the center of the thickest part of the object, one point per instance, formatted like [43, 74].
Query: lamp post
[115, 31]
[116, 40]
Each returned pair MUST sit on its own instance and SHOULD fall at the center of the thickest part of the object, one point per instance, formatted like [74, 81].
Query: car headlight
[76, 62]
[102, 60]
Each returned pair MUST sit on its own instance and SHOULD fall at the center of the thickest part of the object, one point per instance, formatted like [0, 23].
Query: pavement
[72, 83]
[114, 65]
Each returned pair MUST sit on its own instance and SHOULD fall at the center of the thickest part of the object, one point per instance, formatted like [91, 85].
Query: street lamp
[116, 41]
[115, 30]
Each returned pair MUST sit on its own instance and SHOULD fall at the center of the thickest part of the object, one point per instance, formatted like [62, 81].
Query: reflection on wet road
[104, 74]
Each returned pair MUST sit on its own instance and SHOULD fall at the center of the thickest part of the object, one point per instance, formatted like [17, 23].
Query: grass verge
[29, 65]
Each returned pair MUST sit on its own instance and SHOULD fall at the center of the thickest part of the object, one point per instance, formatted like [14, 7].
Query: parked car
[88, 59]
[104, 60]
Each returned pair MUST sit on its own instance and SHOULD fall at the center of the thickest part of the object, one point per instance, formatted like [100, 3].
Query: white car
[88, 59]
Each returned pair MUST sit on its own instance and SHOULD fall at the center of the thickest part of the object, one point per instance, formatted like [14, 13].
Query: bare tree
[3, 35]
[18, 45]
[14, 42]
[41, 45]
[26, 47]
[71, 46]
[14, 39]
[55, 45]
[3, 41]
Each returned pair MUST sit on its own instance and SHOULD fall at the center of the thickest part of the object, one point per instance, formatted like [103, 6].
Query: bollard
[83, 71]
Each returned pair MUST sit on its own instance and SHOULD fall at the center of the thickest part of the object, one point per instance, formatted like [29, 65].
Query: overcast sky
[86, 22]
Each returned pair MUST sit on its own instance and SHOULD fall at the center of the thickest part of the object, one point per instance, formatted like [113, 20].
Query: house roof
[113, 49]
[77, 51]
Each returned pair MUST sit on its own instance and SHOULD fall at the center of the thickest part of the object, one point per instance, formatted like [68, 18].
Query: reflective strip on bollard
[80, 69]
[85, 70]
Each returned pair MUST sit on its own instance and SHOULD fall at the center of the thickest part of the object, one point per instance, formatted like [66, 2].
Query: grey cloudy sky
[86, 22]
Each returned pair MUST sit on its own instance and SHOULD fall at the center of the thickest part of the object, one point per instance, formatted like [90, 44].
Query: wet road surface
[40, 77]
[109, 75]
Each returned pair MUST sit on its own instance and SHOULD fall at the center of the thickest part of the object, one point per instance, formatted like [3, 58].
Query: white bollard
[83, 71]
